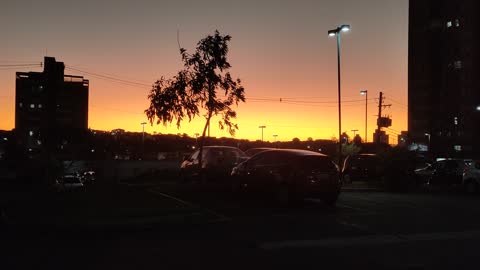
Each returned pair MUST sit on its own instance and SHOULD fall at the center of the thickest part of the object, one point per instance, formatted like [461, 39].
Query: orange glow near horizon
[276, 58]
[295, 116]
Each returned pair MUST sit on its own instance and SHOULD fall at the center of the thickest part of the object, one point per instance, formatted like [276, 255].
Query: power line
[110, 78]
[399, 103]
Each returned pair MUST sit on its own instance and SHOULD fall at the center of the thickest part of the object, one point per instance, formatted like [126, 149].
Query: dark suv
[290, 175]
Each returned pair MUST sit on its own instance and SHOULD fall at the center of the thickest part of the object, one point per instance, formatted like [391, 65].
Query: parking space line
[220, 217]
[370, 240]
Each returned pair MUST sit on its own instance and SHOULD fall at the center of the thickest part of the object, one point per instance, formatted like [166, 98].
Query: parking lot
[380, 230]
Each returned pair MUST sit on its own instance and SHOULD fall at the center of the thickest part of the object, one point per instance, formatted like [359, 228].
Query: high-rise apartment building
[444, 75]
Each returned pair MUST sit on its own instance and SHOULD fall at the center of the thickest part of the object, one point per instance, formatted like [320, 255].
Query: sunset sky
[280, 49]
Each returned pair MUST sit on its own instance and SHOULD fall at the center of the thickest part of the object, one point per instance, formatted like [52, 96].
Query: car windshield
[71, 180]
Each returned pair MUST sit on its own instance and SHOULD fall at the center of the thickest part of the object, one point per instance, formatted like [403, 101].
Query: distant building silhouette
[402, 138]
[380, 136]
[443, 75]
[50, 107]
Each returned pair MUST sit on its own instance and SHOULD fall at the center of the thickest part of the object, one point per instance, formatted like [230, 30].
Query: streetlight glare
[345, 28]
[478, 108]
[332, 33]
[363, 92]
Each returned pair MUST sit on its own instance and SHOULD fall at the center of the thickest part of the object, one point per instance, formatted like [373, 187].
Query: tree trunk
[202, 142]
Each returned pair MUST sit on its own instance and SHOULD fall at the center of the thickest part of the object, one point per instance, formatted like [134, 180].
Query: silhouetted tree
[204, 83]
[357, 140]
[345, 138]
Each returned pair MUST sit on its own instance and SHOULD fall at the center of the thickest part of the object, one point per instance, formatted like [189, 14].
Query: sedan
[289, 175]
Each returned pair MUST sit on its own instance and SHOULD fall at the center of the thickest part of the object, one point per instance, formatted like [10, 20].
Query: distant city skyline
[280, 50]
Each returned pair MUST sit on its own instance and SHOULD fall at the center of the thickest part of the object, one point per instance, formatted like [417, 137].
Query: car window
[264, 158]
[317, 163]
[194, 155]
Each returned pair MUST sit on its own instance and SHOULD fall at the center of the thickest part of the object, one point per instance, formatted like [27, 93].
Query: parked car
[252, 151]
[362, 167]
[289, 175]
[447, 172]
[217, 163]
[69, 182]
[88, 177]
[471, 177]
[422, 175]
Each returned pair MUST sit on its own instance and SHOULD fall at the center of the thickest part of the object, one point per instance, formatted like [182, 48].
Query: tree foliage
[203, 85]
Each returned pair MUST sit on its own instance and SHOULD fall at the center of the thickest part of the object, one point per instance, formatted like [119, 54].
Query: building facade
[443, 76]
[51, 108]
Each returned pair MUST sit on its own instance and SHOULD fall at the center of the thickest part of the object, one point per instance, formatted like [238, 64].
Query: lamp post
[143, 138]
[336, 32]
[354, 132]
[365, 93]
[262, 127]
[196, 138]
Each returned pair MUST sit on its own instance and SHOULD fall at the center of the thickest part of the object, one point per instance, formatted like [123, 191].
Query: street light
[262, 127]
[275, 137]
[478, 108]
[336, 32]
[365, 93]
[428, 135]
[354, 132]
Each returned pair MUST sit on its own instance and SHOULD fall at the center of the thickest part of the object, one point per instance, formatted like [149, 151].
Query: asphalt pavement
[365, 230]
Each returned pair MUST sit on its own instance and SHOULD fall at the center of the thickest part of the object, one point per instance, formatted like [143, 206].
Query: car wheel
[347, 179]
[286, 196]
[330, 200]
[471, 186]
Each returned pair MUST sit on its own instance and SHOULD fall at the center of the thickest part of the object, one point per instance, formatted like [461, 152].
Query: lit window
[39, 142]
[20, 105]
[455, 121]
[457, 23]
[457, 64]
[449, 24]
[32, 106]
[40, 106]
[457, 148]
[30, 133]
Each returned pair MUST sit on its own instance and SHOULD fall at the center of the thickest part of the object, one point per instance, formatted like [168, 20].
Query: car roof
[297, 152]
[220, 147]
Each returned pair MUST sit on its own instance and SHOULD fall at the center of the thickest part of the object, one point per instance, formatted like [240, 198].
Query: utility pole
[381, 120]
[262, 127]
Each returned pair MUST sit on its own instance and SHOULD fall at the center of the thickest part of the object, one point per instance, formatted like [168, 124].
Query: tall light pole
[354, 132]
[336, 32]
[196, 138]
[262, 127]
[275, 137]
[143, 138]
[365, 93]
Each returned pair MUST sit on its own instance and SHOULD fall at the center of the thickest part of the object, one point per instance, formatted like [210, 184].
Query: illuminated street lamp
[428, 135]
[365, 93]
[336, 32]
[478, 108]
